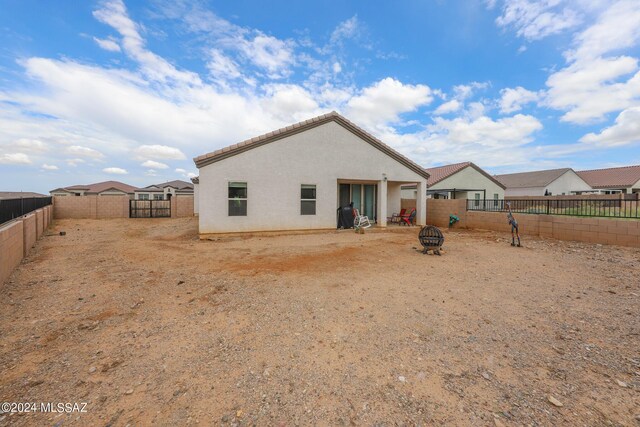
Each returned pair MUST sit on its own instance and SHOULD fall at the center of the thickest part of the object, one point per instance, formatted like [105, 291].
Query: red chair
[408, 219]
[395, 218]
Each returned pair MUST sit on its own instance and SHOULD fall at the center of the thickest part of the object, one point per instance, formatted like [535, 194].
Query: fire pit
[431, 239]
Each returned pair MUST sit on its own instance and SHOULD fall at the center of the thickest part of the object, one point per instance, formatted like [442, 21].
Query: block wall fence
[623, 232]
[99, 207]
[17, 238]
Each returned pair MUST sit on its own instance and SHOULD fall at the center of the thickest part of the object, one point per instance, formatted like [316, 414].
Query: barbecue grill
[431, 239]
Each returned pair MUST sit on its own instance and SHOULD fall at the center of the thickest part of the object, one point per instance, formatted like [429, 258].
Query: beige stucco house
[625, 179]
[463, 180]
[164, 190]
[550, 182]
[295, 178]
[105, 188]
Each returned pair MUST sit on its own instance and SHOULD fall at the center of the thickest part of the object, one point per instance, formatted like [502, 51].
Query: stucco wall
[469, 178]
[274, 173]
[529, 191]
[30, 233]
[196, 190]
[11, 248]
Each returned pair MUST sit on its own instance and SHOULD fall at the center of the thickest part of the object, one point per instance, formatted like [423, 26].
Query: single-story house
[624, 179]
[106, 188]
[550, 182]
[164, 191]
[296, 178]
[19, 194]
[196, 189]
[463, 180]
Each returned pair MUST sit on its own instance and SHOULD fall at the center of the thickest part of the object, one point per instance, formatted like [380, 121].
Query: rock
[486, 376]
[498, 423]
[92, 369]
[554, 401]
[130, 391]
[622, 383]
[239, 413]
[402, 379]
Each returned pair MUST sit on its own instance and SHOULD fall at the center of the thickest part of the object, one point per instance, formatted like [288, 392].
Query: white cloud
[180, 170]
[626, 130]
[31, 145]
[154, 165]
[159, 152]
[221, 66]
[346, 30]
[74, 162]
[462, 92]
[512, 99]
[596, 81]
[78, 150]
[274, 55]
[448, 107]
[49, 167]
[535, 20]
[115, 171]
[15, 159]
[107, 44]
[383, 102]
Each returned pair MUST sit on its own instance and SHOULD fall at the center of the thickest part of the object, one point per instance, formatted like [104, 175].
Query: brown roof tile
[625, 176]
[440, 173]
[284, 132]
[531, 179]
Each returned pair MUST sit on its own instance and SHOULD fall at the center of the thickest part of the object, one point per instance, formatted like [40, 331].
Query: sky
[132, 91]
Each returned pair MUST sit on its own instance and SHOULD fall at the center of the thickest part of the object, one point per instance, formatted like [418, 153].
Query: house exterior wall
[274, 173]
[394, 198]
[409, 193]
[566, 183]
[196, 190]
[469, 178]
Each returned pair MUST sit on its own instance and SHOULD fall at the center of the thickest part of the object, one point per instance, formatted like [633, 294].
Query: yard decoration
[431, 239]
[514, 226]
[453, 219]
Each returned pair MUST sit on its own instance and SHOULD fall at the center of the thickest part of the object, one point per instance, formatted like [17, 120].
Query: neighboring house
[624, 179]
[550, 182]
[106, 188]
[295, 178]
[19, 194]
[164, 191]
[196, 190]
[459, 181]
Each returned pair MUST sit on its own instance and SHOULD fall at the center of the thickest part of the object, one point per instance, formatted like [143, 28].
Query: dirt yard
[149, 325]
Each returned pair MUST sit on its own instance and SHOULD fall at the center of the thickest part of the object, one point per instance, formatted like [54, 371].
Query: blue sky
[132, 91]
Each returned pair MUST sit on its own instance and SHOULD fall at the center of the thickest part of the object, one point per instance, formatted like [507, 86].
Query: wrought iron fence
[14, 208]
[149, 208]
[614, 208]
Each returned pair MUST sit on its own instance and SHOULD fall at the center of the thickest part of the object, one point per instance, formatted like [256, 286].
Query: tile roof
[19, 194]
[284, 132]
[625, 176]
[440, 173]
[531, 179]
[99, 187]
[177, 184]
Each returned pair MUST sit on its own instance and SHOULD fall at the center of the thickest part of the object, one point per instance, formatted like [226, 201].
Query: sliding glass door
[363, 197]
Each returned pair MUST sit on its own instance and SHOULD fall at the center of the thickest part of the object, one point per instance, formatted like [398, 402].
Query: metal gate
[149, 208]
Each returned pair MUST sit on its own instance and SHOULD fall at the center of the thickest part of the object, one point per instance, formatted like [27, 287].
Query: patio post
[381, 214]
[421, 203]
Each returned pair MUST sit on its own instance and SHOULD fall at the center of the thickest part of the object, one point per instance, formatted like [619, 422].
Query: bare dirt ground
[149, 325]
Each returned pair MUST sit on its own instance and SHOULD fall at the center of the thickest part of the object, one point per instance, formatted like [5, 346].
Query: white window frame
[246, 199]
[314, 200]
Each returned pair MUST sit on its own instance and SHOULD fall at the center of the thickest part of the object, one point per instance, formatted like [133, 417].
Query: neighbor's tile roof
[440, 173]
[177, 184]
[284, 132]
[625, 176]
[19, 194]
[99, 187]
[531, 179]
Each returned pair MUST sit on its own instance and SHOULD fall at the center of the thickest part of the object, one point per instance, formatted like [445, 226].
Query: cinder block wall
[11, 248]
[30, 232]
[90, 207]
[590, 230]
[438, 211]
[184, 206]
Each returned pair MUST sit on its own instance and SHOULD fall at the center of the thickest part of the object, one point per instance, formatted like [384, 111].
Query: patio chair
[408, 219]
[395, 218]
[360, 221]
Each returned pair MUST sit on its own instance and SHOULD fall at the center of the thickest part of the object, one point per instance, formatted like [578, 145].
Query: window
[495, 199]
[143, 197]
[237, 199]
[158, 197]
[307, 199]
[477, 202]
